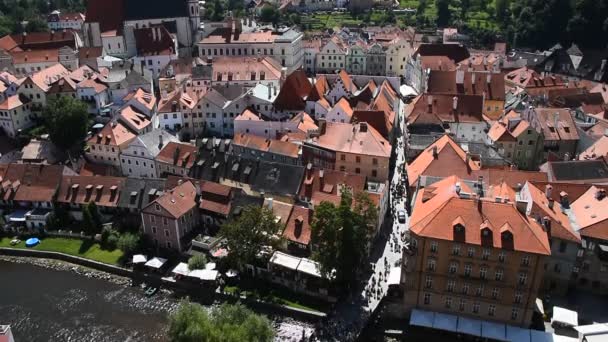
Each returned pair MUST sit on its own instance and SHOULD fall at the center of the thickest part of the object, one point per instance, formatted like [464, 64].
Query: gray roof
[136, 192]
[151, 140]
[578, 170]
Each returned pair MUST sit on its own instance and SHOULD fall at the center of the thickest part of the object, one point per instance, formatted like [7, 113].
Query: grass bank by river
[80, 248]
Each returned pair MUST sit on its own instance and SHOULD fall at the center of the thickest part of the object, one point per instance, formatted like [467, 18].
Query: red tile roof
[356, 139]
[561, 227]
[450, 159]
[298, 226]
[436, 216]
[591, 214]
[313, 185]
[104, 191]
[108, 13]
[177, 201]
[293, 92]
[599, 149]
[112, 134]
[469, 108]
[556, 124]
[255, 142]
[31, 182]
[154, 40]
[181, 155]
[473, 83]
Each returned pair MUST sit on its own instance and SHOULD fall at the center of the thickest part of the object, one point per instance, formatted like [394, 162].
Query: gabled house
[105, 146]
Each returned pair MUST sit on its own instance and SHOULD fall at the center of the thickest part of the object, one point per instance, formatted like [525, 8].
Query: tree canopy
[197, 262]
[341, 235]
[246, 234]
[67, 120]
[226, 323]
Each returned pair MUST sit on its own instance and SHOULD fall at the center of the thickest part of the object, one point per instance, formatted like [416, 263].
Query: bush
[197, 262]
[109, 239]
[128, 242]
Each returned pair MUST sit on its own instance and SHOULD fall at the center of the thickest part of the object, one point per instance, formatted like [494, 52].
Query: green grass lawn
[282, 297]
[80, 248]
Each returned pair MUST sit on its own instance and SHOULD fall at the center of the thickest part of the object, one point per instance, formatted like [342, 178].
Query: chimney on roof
[321, 179]
[460, 77]
[160, 141]
[488, 79]
[548, 190]
[546, 222]
[468, 161]
[550, 203]
[600, 194]
[429, 101]
[458, 188]
[153, 34]
[566, 155]
[455, 103]
[563, 200]
[480, 186]
[269, 91]
[176, 155]
[435, 152]
[299, 225]
[362, 127]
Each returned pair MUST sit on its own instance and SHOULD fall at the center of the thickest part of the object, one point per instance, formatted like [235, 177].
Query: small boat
[150, 291]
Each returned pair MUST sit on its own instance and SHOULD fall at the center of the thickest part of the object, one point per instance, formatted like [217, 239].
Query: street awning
[517, 334]
[493, 330]
[18, 216]
[207, 275]
[540, 336]
[603, 248]
[181, 268]
[564, 316]
[309, 267]
[139, 259]
[422, 318]
[469, 326]
[156, 262]
[445, 322]
[285, 260]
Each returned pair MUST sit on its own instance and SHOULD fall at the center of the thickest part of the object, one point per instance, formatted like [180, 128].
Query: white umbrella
[210, 266]
[181, 268]
[232, 273]
[139, 259]
[156, 262]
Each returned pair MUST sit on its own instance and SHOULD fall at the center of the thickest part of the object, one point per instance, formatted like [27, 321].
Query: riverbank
[54, 300]
[59, 265]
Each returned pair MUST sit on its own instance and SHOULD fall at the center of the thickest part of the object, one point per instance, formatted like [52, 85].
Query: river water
[46, 305]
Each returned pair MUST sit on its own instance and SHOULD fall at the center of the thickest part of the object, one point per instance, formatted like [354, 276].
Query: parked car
[401, 216]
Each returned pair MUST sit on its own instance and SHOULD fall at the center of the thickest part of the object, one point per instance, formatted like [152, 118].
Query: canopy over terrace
[473, 327]
[156, 262]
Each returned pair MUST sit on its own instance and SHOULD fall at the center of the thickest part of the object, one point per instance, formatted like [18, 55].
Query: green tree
[197, 262]
[128, 242]
[36, 25]
[269, 14]
[254, 228]
[226, 323]
[501, 10]
[341, 235]
[66, 120]
[444, 15]
[90, 219]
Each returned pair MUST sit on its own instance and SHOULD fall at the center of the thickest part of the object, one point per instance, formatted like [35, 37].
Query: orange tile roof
[241, 68]
[266, 145]
[450, 160]
[44, 78]
[319, 90]
[591, 214]
[11, 102]
[348, 83]
[560, 223]
[599, 149]
[357, 139]
[293, 92]
[574, 190]
[177, 201]
[434, 218]
[182, 155]
[143, 97]
[306, 123]
[298, 226]
[113, 134]
[313, 184]
[31, 182]
[531, 81]
[557, 124]
[35, 56]
[473, 83]
[94, 84]
[469, 108]
[248, 115]
[345, 106]
[437, 63]
[134, 118]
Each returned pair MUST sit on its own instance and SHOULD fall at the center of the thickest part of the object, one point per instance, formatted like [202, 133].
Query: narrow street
[349, 317]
